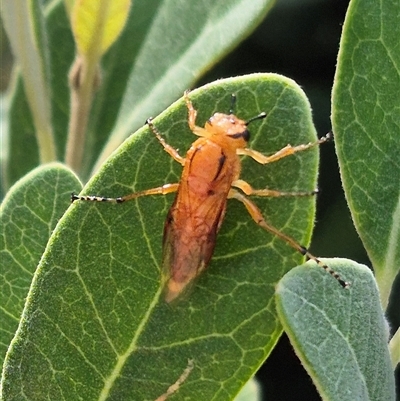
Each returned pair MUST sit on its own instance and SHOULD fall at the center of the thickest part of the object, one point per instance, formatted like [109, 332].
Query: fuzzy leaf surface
[339, 334]
[366, 122]
[96, 325]
[28, 216]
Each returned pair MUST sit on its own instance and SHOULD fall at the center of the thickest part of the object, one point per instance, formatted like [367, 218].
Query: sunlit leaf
[97, 23]
[95, 304]
[28, 216]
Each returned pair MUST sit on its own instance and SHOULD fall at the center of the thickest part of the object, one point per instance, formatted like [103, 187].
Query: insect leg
[257, 216]
[192, 114]
[249, 190]
[163, 190]
[286, 151]
[168, 148]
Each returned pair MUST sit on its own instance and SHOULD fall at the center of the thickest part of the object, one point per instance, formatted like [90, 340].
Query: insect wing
[195, 217]
[189, 240]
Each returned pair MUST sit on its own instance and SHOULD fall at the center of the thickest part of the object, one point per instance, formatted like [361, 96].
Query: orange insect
[210, 176]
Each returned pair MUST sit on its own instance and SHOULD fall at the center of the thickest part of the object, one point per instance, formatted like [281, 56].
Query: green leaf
[28, 215]
[95, 325]
[366, 121]
[22, 148]
[339, 334]
[59, 29]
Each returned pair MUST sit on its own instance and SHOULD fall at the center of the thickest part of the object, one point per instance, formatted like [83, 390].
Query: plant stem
[83, 78]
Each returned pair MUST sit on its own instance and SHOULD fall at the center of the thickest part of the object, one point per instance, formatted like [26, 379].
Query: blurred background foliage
[299, 39]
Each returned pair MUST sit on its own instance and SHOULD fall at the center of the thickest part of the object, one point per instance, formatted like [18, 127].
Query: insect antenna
[258, 117]
[233, 103]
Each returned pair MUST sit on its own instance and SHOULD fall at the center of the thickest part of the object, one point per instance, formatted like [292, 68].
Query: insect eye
[244, 134]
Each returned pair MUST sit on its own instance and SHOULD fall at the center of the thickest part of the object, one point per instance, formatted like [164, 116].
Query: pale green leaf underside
[250, 392]
[28, 216]
[366, 121]
[95, 304]
[339, 334]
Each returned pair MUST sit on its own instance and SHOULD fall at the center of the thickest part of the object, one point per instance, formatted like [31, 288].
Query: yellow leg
[286, 151]
[257, 216]
[192, 115]
[163, 190]
[249, 190]
[168, 148]
[191, 111]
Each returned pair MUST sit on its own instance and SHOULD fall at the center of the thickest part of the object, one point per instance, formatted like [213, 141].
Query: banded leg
[163, 190]
[168, 148]
[284, 152]
[249, 190]
[257, 216]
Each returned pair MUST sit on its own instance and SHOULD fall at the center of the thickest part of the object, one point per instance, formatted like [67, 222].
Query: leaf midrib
[121, 360]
